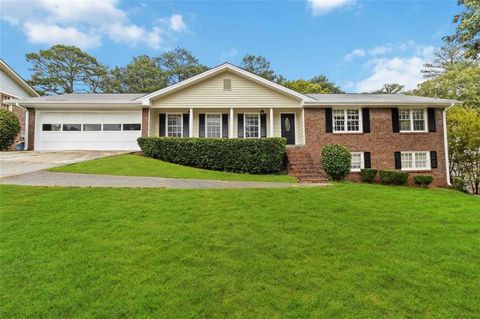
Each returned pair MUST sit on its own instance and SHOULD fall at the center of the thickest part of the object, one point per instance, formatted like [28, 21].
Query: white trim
[14, 75]
[259, 125]
[271, 122]
[414, 168]
[345, 113]
[445, 144]
[303, 122]
[27, 133]
[231, 124]
[190, 123]
[411, 130]
[362, 162]
[221, 68]
[166, 124]
[206, 123]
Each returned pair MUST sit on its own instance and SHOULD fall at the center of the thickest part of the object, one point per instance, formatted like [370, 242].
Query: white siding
[9, 87]
[210, 94]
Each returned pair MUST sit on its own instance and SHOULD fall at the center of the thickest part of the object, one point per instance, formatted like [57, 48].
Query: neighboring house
[12, 86]
[381, 131]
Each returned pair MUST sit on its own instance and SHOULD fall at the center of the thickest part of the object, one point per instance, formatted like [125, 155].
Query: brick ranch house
[12, 86]
[382, 131]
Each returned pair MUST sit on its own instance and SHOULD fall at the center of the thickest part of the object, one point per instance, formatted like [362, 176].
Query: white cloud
[382, 49]
[354, 53]
[319, 7]
[84, 23]
[176, 23]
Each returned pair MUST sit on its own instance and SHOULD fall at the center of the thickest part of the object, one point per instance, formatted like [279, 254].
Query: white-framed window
[357, 161]
[213, 125]
[347, 120]
[415, 161]
[174, 125]
[412, 120]
[251, 125]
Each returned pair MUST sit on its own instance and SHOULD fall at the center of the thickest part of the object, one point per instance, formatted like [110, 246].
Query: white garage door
[57, 131]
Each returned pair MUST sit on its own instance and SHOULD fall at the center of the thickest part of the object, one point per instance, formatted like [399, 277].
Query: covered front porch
[228, 123]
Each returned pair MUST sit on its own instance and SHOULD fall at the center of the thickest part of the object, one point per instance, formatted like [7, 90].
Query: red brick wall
[144, 122]
[381, 142]
[31, 128]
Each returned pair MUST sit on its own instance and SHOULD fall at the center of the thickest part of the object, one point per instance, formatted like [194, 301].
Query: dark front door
[288, 127]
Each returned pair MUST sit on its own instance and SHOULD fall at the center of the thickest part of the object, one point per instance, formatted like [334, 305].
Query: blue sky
[358, 44]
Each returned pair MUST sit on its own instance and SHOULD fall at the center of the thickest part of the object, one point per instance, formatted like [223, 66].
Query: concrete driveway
[17, 163]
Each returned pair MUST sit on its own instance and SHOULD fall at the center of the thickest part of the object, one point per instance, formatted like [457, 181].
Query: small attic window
[227, 84]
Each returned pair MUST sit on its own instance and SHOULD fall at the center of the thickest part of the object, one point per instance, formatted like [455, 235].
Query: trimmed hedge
[393, 177]
[423, 180]
[9, 128]
[336, 161]
[254, 156]
[368, 175]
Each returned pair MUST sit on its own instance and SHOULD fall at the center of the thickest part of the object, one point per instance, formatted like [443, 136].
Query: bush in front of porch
[254, 156]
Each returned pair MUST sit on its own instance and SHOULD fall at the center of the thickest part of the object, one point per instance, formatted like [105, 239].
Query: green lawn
[345, 251]
[137, 165]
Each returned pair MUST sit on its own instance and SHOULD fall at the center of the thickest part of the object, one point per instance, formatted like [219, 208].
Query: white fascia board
[80, 106]
[379, 104]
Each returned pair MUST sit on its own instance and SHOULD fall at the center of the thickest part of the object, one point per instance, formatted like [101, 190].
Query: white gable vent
[227, 84]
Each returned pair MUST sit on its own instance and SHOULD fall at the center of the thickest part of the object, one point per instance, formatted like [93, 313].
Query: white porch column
[271, 122]
[230, 124]
[190, 123]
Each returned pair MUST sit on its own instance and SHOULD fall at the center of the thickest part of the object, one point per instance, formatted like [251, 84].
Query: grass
[346, 251]
[137, 165]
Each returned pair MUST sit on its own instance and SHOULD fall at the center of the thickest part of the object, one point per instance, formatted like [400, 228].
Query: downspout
[25, 134]
[445, 143]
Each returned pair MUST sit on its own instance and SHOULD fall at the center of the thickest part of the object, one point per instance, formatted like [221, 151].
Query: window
[357, 162]
[112, 127]
[252, 125]
[213, 125]
[51, 127]
[72, 127]
[412, 120]
[346, 120]
[92, 127]
[227, 84]
[132, 127]
[174, 125]
[415, 161]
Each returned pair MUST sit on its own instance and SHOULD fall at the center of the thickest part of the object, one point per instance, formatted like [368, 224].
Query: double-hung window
[213, 125]
[346, 120]
[357, 162]
[174, 125]
[251, 125]
[415, 161]
[412, 120]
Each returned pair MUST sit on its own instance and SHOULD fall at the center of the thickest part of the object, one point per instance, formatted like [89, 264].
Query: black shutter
[201, 125]
[367, 160]
[263, 125]
[240, 125]
[162, 125]
[186, 126]
[224, 125]
[366, 120]
[431, 120]
[328, 120]
[398, 160]
[433, 159]
[395, 121]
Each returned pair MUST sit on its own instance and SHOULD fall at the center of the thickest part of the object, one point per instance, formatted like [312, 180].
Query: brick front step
[301, 166]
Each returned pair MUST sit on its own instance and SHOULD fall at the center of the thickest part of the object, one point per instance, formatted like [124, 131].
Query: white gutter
[26, 134]
[445, 143]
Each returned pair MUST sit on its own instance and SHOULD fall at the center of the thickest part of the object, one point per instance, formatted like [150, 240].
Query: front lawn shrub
[459, 184]
[336, 161]
[393, 177]
[254, 156]
[423, 180]
[9, 128]
[368, 175]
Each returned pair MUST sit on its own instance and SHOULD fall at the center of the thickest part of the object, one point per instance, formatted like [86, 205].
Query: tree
[468, 28]
[448, 56]
[326, 84]
[258, 65]
[65, 69]
[390, 88]
[307, 87]
[179, 64]
[142, 75]
[9, 128]
[464, 144]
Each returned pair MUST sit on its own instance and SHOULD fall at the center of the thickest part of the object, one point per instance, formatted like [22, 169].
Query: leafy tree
[179, 64]
[65, 69]
[464, 144]
[9, 128]
[390, 88]
[142, 75]
[306, 87]
[450, 55]
[258, 65]
[326, 84]
[468, 28]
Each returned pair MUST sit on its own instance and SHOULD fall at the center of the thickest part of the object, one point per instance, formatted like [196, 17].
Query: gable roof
[217, 70]
[17, 78]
